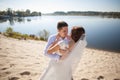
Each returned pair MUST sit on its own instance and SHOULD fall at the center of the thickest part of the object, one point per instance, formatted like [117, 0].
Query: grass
[9, 32]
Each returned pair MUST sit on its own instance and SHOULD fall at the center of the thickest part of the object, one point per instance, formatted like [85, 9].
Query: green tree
[27, 12]
[39, 13]
[9, 30]
[9, 12]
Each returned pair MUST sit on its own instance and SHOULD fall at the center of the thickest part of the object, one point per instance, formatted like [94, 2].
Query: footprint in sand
[13, 78]
[25, 73]
[11, 65]
[8, 72]
[7, 48]
[37, 63]
[84, 79]
[4, 68]
[116, 79]
[100, 77]
[3, 56]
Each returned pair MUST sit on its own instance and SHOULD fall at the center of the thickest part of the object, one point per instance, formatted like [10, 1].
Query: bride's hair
[77, 32]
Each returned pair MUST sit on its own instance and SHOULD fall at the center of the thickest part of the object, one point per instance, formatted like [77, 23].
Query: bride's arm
[71, 45]
[68, 50]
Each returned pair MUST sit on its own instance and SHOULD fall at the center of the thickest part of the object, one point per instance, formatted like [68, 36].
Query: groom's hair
[77, 32]
[61, 24]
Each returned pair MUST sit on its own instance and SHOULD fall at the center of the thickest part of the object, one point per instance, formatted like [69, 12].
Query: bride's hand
[63, 52]
[68, 36]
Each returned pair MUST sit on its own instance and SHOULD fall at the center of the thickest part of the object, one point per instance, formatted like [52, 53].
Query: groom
[62, 34]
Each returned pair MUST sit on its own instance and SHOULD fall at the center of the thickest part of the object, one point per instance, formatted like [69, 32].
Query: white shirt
[51, 39]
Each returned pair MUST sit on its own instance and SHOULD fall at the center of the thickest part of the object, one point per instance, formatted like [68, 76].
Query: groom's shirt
[51, 39]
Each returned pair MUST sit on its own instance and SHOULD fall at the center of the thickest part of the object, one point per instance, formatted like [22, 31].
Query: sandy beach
[24, 60]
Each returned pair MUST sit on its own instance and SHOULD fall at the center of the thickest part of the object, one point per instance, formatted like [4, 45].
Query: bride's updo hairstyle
[77, 32]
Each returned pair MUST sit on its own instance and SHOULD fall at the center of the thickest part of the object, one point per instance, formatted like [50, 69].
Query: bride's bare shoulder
[71, 43]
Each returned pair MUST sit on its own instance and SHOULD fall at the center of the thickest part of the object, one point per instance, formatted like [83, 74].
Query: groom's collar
[63, 39]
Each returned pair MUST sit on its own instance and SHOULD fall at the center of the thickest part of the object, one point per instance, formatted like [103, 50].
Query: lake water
[101, 33]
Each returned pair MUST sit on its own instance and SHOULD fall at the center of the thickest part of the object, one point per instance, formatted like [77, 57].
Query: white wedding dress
[62, 70]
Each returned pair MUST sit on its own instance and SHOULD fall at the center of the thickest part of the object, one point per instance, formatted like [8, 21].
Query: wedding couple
[65, 52]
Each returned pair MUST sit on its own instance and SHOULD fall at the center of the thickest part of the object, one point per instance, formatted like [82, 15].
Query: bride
[70, 57]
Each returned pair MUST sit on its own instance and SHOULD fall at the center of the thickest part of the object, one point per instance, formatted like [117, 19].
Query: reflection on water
[102, 33]
[12, 20]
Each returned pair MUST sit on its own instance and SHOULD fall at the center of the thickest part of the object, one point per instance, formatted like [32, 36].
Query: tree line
[89, 13]
[19, 13]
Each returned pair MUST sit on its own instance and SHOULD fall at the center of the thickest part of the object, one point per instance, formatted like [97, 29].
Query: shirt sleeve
[52, 56]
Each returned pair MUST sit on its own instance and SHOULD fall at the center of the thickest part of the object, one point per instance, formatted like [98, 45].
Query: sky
[49, 6]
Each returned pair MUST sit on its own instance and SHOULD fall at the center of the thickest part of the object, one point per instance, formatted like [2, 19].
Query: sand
[24, 60]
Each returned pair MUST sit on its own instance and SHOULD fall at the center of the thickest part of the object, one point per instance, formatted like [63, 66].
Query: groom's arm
[51, 55]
